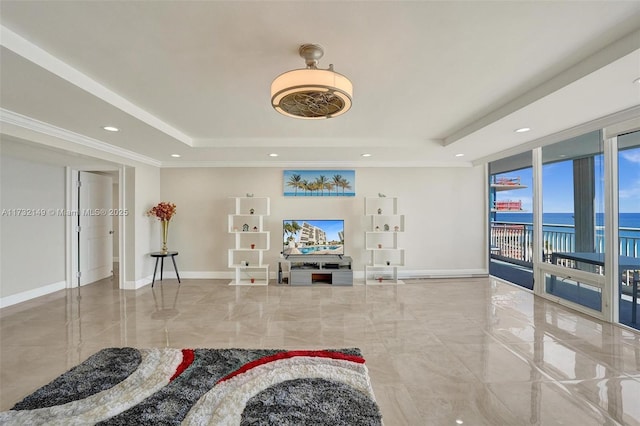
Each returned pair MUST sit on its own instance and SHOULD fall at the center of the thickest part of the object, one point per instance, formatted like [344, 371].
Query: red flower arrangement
[163, 211]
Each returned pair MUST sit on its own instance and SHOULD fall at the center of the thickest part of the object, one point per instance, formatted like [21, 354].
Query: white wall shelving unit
[251, 240]
[381, 240]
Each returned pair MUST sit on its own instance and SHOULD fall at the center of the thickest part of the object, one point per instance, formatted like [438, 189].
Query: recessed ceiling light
[273, 154]
[459, 155]
[366, 155]
[176, 155]
[637, 80]
[111, 129]
[522, 130]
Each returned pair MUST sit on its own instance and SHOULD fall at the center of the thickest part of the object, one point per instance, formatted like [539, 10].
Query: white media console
[327, 269]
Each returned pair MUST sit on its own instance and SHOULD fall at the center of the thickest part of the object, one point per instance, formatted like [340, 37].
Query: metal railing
[514, 240]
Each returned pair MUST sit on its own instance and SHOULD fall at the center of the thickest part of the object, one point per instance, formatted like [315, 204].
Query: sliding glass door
[511, 220]
[629, 228]
[573, 220]
[565, 221]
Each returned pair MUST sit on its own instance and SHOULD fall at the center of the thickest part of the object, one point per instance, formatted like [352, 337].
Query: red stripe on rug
[187, 359]
[292, 354]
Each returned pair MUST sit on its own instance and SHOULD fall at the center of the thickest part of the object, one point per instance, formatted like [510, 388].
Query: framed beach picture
[319, 183]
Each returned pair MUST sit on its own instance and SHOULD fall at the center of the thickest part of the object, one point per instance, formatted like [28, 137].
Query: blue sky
[557, 181]
[629, 194]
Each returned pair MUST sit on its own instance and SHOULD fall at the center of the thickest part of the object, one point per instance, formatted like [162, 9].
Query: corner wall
[147, 195]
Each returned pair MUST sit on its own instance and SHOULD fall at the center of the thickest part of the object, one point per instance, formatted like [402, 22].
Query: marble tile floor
[439, 352]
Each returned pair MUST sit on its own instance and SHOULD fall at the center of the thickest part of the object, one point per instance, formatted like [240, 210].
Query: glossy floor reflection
[439, 352]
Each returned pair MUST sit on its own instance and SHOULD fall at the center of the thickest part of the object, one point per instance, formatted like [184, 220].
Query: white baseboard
[171, 275]
[408, 274]
[134, 285]
[31, 294]
[442, 273]
[197, 275]
[357, 274]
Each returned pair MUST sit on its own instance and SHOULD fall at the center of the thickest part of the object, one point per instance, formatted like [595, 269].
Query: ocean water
[625, 220]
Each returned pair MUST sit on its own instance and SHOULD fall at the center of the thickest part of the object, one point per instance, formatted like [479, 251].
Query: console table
[307, 270]
[160, 256]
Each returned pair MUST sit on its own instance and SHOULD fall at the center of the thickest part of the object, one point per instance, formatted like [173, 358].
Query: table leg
[155, 268]
[161, 267]
[173, 258]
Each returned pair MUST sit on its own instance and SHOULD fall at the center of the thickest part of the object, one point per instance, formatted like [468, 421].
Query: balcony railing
[514, 240]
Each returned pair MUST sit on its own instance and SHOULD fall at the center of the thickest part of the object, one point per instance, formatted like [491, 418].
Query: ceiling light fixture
[366, 155]
[459, 155]
[311, 93]
[176, 155]
[273, 154]
[522, 130]
[111, 129]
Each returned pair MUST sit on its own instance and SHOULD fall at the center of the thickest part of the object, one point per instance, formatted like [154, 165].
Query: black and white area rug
[128, 386]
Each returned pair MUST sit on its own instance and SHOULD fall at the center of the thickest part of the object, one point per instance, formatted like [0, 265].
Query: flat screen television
[304, 237]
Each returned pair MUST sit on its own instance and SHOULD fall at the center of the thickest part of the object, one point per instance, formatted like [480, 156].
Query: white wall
[147, 194]
[444, 208]
[128, 245]
[115, 203]
[33, 247]
[33, 252]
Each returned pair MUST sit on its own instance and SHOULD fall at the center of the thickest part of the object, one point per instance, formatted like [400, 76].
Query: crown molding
[610, 53]
[309, 142]
[581, 129]
[44, 59]
[13, 118]
[315, 164]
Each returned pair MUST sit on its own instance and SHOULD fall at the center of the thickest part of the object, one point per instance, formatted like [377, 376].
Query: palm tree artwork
[294, 181]
[319, 183]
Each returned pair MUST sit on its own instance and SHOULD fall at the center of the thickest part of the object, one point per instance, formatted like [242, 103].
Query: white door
[95, 234]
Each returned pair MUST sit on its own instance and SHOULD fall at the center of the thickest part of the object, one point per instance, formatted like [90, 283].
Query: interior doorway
[95, 210]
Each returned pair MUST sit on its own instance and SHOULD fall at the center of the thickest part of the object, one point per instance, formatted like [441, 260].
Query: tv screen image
[313, 237]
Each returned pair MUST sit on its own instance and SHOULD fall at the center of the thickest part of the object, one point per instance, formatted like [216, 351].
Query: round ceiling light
[311, 93]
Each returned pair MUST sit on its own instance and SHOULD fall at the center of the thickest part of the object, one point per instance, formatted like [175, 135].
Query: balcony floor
[523, 277]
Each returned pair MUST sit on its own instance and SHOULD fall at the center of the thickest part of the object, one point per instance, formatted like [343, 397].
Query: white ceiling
[431, 79]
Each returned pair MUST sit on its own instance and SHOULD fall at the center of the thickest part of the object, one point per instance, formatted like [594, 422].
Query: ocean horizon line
[625, 220]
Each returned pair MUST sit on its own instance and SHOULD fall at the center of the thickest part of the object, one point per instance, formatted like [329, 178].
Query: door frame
[611, 134]
[609, 281]
[71, 203]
